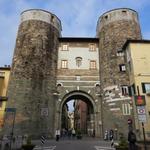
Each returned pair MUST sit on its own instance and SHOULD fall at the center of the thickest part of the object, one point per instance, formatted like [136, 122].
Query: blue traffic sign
[10, 109]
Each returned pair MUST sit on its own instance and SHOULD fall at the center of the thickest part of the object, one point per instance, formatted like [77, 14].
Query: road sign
[141, 110]
[140, 100]
[142, 118]
[10, 109]
[44, 111]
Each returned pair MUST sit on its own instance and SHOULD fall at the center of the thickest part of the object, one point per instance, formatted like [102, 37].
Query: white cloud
[79, 17]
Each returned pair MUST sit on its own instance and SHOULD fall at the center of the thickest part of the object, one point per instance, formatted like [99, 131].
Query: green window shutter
[129, 89]
[133, 87]
[143, 88]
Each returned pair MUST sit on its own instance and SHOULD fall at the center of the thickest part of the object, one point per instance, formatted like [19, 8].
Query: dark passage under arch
[82, 117]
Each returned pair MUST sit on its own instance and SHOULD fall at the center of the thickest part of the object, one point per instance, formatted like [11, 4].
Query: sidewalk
[141, 146]
[15, 144]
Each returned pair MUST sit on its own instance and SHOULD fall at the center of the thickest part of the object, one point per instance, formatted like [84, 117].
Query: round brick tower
[113, 29]
[33, 73]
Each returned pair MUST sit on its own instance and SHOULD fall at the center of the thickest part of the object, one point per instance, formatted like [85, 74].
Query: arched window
[78, 61]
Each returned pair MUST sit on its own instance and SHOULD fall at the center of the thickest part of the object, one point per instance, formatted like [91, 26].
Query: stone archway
[81, 95]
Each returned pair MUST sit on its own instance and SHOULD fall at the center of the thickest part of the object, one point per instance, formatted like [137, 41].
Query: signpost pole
[144, 135]
[144, 138]
[12, 132]
[12, 110]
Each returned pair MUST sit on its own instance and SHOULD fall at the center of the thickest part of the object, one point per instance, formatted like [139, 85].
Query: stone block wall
[114, 28]
[33, 75]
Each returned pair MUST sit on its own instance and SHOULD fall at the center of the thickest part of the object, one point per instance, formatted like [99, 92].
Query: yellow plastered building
[4, 79]
[137, 55]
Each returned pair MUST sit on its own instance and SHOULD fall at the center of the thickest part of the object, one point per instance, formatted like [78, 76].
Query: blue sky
[78, 17]
[70, 104]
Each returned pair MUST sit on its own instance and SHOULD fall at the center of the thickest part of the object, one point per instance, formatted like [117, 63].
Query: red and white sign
[129, 121]
[141, 110]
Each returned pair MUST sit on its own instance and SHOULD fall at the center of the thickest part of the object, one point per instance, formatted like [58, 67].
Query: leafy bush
[79, 134]
[29, 140]
[28, 145]
[122, 142]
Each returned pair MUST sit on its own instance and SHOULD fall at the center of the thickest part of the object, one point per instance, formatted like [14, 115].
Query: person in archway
[57, 134]
[73, 133]
[69, 133]
[106, 135]
[63, 133]
[93, 133]
[111, 137]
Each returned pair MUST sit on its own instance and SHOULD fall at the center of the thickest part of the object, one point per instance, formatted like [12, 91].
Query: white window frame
[120, 53]
[78, 77]
[64, 64]
[126, 109]
[92, 47]
[65, 47]
[93, 64]
[147, 87]
[124, 90]
[122, 67]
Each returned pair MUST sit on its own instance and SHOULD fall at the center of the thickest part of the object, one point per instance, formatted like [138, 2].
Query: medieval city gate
[93, 123]
[43, 59]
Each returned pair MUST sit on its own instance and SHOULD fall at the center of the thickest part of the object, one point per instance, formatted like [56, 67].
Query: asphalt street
[84, 144]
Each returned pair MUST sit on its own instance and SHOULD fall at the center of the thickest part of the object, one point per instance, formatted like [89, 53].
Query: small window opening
[124, 11]
[78, 77]
[52, 18]
[106, 17]
[122, 67]
[58, 85]
[97, 85]
[124, 89]
[65, 47]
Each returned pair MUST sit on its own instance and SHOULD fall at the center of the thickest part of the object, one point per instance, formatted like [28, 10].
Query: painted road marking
[103, 148]
[44, 148]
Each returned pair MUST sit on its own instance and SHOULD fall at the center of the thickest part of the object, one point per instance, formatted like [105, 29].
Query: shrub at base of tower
[79, 135]
[123, 145]
[28, 145]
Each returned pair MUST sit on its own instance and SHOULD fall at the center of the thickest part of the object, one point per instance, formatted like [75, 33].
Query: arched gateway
[91, 112]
